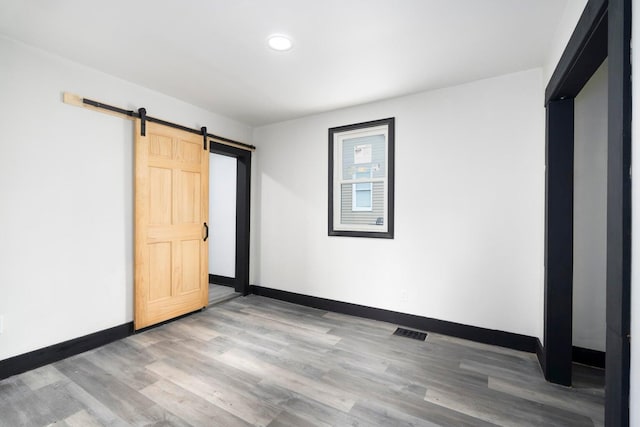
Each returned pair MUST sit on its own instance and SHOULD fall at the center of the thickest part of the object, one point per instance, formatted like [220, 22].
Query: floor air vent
[410, 334]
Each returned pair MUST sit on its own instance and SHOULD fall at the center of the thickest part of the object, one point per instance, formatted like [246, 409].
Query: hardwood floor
[257, 361]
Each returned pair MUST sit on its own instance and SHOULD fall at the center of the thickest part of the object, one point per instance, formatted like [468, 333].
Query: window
[361, 179]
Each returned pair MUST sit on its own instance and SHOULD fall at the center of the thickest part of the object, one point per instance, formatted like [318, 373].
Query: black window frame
[390, 165]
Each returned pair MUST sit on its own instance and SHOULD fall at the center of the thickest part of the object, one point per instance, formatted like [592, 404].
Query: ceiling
[213, 53]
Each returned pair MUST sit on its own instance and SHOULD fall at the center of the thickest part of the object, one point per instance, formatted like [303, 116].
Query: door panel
[159, 271]
[189, 202]
[190, 265]
[160, 200]
[171, 207]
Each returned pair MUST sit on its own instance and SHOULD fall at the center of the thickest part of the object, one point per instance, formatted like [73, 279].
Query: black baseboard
[472, 333]
[540, 353]
[580, 355]
[222, 280]
[37, 358]
[586, 356]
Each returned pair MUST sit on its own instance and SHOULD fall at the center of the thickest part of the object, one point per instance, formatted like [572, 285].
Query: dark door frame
[603, 31]
[243, 208]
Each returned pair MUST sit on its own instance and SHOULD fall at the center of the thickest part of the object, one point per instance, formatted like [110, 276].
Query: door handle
[206, 231]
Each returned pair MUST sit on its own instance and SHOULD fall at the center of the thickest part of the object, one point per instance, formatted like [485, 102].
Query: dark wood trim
[37, 358]
[243, 221]
[589, 357]
[558, 276]
[390, 122]
[618, 216]
[472, 333]
[585, 51]
[222, 280]
[243, 211]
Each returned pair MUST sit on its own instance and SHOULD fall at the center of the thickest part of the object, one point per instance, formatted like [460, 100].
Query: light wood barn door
[171, 212]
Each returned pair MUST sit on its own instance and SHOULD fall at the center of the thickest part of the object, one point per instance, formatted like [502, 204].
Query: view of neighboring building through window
[363, 178]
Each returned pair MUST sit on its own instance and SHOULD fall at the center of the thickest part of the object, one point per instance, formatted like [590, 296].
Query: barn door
[171, 215]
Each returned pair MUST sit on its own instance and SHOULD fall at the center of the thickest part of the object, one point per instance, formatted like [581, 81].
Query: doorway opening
[603, 32]
[229, 272]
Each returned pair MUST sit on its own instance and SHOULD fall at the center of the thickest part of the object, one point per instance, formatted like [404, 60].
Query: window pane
[364, 154]
[375, 198]
[363, 198]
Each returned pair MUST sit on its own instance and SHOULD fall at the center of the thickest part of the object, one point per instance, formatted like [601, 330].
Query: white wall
[590, 213]
[469, 210]
[222, 215]
[634, 397]
[66, 262]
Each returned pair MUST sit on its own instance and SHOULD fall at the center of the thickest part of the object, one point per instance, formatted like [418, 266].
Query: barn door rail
[78, 101]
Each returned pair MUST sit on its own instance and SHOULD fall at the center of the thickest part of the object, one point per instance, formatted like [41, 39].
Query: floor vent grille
[402, 332]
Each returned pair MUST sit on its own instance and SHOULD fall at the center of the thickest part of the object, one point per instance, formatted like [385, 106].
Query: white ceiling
[213, 53]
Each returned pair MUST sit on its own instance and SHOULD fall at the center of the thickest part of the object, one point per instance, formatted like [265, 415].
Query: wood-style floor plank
[190, 407]
[254, 361]
[81, 419]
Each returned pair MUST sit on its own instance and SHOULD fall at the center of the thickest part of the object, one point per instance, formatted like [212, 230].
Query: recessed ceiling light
[279, 42]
